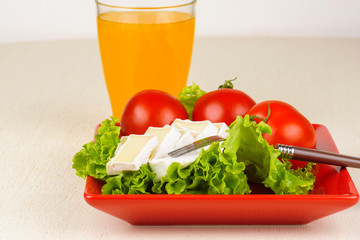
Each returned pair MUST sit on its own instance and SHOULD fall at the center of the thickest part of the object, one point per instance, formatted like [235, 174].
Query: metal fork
[291, 152]
[195, 145]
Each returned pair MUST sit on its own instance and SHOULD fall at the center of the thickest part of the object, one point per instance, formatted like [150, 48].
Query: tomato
[96, 129]
[288, 126]
[118, 124]
[222, 105]
[150, 108]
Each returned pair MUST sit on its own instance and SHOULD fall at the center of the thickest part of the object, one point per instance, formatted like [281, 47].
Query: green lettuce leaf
[246, 156]
[92, 158]
[211, 173]
[188, 97]
[246, 144]
[130, 182]
[283, 180]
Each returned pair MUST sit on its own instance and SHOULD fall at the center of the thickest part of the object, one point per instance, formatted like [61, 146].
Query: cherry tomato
[222, 105]
[150, 108]
[288, 126]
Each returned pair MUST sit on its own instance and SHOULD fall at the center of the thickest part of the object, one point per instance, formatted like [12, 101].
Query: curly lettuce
[246, 157]
[284, 180]
[188, 97]
[246, 144]
[211, 173]
[130, 182]
[92, 158]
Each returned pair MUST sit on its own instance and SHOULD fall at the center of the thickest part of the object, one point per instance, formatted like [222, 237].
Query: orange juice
[144, 50]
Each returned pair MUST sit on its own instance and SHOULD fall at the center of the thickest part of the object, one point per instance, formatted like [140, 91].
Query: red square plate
[334, 191]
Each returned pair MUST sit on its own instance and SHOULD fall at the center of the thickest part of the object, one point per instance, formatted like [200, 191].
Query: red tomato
[222, 105]
[150, 108]
[288, 126]
[118, 124]
[96, 128]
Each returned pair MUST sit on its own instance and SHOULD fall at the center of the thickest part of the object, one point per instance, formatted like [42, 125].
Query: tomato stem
[269, 111]
[252, 117]
[228, 84]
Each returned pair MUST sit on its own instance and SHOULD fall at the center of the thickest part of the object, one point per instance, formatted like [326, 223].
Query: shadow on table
[322, 228]
[221, 231]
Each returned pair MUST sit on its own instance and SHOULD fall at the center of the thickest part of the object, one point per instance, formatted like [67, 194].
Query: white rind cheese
[167, 136]
[133, 153]
[199, 129]
[185, 139]
[222, 129]
[153, 147]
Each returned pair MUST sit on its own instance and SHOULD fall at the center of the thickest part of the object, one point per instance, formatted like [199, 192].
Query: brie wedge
[153, 147]
[130, 155]
[167, 137]
[199, 129]
[222, 129]
[185, 139]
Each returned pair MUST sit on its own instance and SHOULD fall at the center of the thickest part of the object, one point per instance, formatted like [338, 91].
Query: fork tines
[195, 145]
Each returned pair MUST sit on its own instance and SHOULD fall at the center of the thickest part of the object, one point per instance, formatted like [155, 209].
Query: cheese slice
[167, 137]
[185, 139]
[153, 147]
[222, 129]
[133, 153]
[159, 165]
[199, 129]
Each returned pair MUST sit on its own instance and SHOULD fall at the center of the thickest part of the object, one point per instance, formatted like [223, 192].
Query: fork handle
[317, 156]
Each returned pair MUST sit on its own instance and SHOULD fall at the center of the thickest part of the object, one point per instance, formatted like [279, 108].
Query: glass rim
[145, 8]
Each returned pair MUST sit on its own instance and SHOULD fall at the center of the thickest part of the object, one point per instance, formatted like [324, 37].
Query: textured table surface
[53, 94]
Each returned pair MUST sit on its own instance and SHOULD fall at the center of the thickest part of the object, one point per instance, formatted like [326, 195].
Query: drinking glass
[144, 44]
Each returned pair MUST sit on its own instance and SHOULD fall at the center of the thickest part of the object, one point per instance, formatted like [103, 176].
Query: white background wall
[24, 20]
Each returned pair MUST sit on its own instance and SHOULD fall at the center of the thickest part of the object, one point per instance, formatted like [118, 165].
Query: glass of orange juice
[144, 44]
